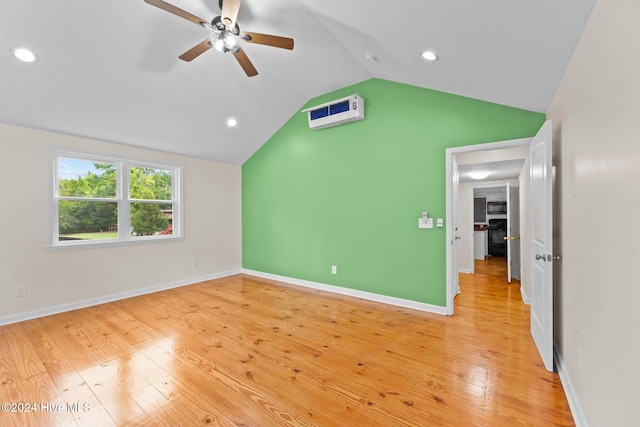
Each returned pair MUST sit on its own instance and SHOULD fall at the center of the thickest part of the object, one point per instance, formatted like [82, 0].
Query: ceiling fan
[225, 34]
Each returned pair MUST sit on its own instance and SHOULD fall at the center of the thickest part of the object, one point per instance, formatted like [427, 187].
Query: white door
[542, 244]
[513, 232]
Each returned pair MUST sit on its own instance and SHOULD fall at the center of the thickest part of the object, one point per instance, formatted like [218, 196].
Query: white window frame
[123, 199]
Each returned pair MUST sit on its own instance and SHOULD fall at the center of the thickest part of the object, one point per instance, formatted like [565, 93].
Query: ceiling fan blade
[196, 51]
[230, 9]
[245, 63]
[268, 40]
[179, 12]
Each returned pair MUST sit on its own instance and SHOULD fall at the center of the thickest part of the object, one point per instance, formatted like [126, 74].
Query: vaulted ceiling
[110, 70]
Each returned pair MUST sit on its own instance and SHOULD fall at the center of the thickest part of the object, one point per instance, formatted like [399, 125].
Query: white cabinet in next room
[479, 244]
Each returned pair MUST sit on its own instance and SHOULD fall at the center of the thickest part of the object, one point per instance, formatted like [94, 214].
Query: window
[101, 201]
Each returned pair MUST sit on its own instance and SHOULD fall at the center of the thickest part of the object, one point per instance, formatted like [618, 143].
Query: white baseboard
[574, 404]
[465, 271]
[5, 320]
[400, 302]
[525, 297]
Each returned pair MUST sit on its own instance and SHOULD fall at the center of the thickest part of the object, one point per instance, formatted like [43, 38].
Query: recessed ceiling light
[232, 122]
[429, 55]
[24, 54]
[479, 175]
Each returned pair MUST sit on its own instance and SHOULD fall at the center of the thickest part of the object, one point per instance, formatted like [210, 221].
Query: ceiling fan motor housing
[217, 24]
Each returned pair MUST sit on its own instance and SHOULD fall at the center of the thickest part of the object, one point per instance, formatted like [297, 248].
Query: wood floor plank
[83, 405]
[11, 390]
[38, 392]
[117, 401]
[224, 399]
[246, 351]
[184, 399]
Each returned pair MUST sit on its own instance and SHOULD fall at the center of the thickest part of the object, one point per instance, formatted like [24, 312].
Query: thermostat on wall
[424, 221]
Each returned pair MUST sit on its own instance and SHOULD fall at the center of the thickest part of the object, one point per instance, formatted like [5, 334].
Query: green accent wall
[351, 195]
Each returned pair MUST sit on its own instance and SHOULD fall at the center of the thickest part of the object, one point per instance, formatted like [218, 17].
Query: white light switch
[440, 222]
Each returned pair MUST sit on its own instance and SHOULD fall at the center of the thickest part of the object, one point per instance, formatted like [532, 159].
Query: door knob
[542, 257]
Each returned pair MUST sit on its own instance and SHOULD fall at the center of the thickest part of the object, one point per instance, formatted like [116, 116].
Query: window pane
[149, 183]
[87, 220]
[151, 219]
[85, 178]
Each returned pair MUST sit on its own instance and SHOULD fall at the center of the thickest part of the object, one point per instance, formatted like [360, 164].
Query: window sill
[112, 243]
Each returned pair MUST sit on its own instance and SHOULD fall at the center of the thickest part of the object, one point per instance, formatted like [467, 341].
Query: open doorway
[490, 219]
[506, 181]
[536, 215]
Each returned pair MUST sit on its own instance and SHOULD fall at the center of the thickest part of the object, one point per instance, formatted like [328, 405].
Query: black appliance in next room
[496, 232]
[496, 208]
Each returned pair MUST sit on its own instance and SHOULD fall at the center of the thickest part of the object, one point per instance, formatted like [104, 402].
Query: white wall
[596, 118]
[60, 280]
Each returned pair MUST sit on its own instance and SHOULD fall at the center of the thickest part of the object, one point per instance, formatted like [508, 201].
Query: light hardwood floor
[243, 351]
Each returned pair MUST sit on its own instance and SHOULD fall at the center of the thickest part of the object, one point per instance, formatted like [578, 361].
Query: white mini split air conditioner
[336, 113]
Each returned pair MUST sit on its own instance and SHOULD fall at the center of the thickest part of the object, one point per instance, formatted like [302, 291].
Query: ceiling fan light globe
[232, 43]
[224, 41]
[218, 44]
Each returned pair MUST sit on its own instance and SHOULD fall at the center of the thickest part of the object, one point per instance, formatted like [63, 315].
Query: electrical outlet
[194, 263]
[21, 290]
[334, 269]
